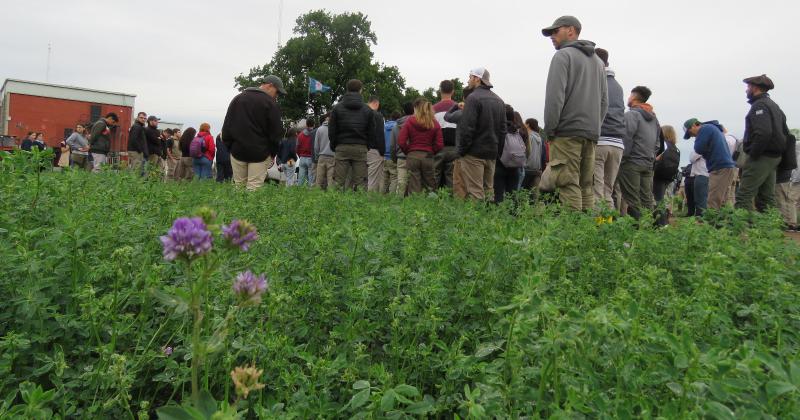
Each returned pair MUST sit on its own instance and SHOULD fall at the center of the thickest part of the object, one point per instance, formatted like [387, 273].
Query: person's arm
[402, 141]
[393, 142]
[71, 141]
[631, 126]
[211, 146]
[603, 95]
[701, 142]
[555, 92]
[274, 124]
[333, 130]
[316, 144]
[438, 143]
[97, 130]
[453, 116]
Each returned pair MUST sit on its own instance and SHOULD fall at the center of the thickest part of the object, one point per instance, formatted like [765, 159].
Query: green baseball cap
[687, 125]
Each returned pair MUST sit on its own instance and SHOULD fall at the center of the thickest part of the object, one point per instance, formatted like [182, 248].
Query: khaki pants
[458, 182]
[606, 167]
[81, 161]
[787, 195]
[420, 172]
[636, 183]
[249, 175]
[350, 172]
[402, 178]
[185, 169]
[478, 177]
[374, 170]
[758, 178]
[135, 161]
[324, 177]
[172, 168]
[719, 183]
[389, 177]
[572, 163]
[98, 160]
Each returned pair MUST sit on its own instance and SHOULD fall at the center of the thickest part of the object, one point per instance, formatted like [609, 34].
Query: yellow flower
[246, 379]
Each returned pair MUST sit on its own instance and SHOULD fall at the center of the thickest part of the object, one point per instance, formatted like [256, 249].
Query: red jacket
[413, 137]
[305, 145]
[210, 145]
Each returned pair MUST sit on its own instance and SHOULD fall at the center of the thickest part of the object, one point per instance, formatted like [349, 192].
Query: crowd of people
[597, 148]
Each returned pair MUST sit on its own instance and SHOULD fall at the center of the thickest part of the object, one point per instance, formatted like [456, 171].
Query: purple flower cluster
[240, 234]
[248, 287]
[188, 238]
[167, 350]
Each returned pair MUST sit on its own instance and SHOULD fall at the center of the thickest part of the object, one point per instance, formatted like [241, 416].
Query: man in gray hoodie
[325, 156]
[576, 103]
[642, 133]
[608, 154]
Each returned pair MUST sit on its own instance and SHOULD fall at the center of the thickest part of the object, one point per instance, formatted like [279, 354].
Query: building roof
[50, 90]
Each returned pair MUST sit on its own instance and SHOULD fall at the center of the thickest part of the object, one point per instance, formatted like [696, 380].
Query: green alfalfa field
[381, 307]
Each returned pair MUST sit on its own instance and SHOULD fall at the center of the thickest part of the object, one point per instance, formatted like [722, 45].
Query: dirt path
[795, 236]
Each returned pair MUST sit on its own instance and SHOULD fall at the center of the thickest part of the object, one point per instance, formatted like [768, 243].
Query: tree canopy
[333, 48]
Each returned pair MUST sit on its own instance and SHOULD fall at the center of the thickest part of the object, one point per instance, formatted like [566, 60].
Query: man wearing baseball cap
[480, 131]
[765, 135]
[576, 102]
[252, 131]
[711, 144]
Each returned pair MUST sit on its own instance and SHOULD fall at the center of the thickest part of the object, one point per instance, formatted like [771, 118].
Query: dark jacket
[394, 147]
[287, 150]
[252, 129]
[100, 140]
[223, 155]
[482, 125]
[137, 142]
[352, 122]
[154, 143]
[27, 144]
[764, 128]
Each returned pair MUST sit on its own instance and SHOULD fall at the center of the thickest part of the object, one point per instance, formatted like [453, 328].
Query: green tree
[332, 48]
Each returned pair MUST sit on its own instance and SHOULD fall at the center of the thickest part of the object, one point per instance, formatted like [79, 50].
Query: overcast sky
[180, 57]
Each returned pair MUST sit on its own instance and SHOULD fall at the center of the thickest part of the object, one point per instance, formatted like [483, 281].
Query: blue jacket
[711, 144]
[387, 132]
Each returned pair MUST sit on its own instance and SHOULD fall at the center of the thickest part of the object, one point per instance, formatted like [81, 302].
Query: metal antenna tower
[47, 73]
[280, 21]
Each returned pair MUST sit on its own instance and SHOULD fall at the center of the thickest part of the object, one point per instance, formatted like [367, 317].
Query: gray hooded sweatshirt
[322, 144]
[641, 137]
[576, 100]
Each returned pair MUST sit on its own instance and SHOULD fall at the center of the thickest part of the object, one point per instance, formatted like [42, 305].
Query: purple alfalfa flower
[188, 238]
[167, 350]
[240, 234]
[248, 287]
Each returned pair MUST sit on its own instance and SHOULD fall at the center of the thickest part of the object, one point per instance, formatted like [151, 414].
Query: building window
[94, 113]
[67, 132]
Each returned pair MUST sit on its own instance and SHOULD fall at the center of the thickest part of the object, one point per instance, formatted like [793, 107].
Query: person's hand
[658, 157]
[461, 105]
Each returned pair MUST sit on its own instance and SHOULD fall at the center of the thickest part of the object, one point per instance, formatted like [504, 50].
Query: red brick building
[55, 110]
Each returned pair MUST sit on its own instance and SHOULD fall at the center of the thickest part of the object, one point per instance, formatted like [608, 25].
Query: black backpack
[666, 168]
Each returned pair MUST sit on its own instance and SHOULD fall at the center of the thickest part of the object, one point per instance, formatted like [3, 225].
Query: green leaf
[207, 405]
[173, 413]
[719, 411]
[681, 361]
[360, 398]
[407, 390]
[777, 388]
[172, 301]
[421, 407]
[361, 384]
[387, 401]
[676, 388]
[486, 349]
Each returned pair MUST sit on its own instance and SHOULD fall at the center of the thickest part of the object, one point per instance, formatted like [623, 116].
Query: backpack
[197, 147]
[514, 151]
[666, 168]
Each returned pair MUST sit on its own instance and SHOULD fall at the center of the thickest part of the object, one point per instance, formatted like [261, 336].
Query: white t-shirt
[731, 143]
[698, 165]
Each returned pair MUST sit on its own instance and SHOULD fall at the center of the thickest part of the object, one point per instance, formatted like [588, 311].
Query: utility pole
[47, 74]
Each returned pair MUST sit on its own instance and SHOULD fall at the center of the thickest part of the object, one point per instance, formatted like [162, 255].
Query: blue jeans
[305, 177]
[202, 167]
[700, 194]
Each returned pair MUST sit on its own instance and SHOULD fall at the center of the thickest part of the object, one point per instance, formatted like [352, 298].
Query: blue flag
[315, 86]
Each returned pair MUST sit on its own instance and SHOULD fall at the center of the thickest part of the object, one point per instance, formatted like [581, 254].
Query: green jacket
[100, 140]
